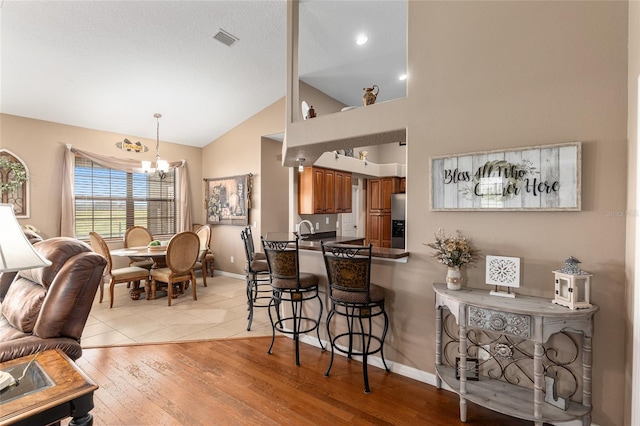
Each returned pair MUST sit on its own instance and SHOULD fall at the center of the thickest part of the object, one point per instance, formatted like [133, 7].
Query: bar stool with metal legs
[293, 288]
[258, 279]
[255, 254]
[357, 300]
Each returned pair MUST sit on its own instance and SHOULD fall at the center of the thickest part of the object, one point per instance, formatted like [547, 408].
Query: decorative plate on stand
[503, 271]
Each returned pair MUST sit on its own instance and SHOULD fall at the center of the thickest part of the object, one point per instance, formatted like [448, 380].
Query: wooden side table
[54, 388]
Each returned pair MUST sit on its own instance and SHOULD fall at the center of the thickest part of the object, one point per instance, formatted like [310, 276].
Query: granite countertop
[312, 242]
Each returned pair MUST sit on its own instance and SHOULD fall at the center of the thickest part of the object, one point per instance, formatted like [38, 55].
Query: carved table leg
[463, 364]
[538, 382]
[438, 344]
[586, 377]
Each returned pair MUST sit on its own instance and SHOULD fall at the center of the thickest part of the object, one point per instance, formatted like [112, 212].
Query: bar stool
[293, 287]
[258, 279]
[354, 297]
[255, 255]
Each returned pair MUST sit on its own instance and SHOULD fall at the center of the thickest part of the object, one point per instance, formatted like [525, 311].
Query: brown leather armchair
[47, 308]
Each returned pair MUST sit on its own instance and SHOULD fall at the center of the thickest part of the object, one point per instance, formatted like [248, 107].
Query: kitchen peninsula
[313, 242]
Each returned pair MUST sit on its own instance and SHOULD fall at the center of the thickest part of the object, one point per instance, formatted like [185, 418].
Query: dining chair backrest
[282, 258]
[99, 245]
[183, 251]
[348, 267]
[137, 236]
[204, 235]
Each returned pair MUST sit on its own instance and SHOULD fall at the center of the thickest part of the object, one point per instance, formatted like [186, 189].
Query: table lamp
[16, 252]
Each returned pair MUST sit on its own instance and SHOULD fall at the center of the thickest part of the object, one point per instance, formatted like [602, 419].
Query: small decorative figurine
[311, 113]
[369, 98]
[572, 285]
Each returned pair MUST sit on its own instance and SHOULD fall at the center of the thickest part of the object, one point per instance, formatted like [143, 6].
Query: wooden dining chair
[138, 236]
[182, 254]
[119, 275]
[204, 235]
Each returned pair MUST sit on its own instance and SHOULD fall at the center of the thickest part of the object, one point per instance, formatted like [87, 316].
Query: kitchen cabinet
[379, 194]
[379, 210]
[323, 191]
[343, 182]
[379, 230]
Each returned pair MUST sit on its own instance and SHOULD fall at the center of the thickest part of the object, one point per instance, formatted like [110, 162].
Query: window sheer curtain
[67, 219]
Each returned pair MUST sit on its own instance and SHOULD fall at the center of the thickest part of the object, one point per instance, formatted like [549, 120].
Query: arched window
[14, 184]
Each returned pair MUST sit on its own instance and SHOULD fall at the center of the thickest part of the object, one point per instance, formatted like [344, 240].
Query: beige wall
[41, 145]
[275, 195]
[632, 216]
[556, 72]
[497, 75]
[235, 153]
[320, 102]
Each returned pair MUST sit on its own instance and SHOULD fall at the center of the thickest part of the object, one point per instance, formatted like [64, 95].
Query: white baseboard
[229, 274]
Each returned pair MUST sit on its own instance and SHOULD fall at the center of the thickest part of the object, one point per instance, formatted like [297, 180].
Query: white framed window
[109, 201]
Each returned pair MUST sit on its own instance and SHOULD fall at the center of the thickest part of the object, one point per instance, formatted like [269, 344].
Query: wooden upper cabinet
[379, 194]
[321, 191]
[343, 192]
[375, 202]
[329, 192]
[318, 191]
[347, 193]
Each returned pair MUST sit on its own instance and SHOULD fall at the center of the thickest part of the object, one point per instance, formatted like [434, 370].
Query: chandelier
[162, 166]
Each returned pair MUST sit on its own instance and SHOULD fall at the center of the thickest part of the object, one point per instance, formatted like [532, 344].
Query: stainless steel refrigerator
[398, 220]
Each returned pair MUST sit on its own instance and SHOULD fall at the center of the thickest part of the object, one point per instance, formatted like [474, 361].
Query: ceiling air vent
[225, 38]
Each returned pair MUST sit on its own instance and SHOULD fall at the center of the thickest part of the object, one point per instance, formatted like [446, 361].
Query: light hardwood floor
[235, 382]
[194, 363]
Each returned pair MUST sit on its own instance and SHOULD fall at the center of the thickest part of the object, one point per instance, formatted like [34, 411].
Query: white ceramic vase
[454, 278]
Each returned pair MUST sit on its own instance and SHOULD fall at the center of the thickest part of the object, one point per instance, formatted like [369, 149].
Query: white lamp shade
[146, 166]
[163, 165]
[16, 252]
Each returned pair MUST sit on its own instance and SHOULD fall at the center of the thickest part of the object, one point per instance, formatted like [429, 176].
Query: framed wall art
[546, 177]
[14, 183]
[227, 200]
[471, 370]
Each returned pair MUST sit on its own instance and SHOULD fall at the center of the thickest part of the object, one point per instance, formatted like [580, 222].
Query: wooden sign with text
[534, 178]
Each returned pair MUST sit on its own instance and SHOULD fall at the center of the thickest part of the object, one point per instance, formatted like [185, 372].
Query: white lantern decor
[572, 285]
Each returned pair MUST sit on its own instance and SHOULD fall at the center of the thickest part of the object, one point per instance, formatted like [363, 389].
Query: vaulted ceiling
[110, 65]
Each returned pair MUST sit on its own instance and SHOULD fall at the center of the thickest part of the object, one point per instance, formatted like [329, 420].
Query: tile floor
[219, 312]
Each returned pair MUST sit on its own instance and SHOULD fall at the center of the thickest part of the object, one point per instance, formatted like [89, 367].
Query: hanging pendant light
[162, 166]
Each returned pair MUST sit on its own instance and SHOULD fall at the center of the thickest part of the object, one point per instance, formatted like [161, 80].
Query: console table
[530, 318]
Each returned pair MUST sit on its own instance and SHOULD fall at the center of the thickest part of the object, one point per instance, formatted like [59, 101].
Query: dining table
[156, 253]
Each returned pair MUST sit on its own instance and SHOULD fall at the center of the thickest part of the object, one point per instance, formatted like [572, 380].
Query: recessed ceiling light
[361, 39]
[402, 77]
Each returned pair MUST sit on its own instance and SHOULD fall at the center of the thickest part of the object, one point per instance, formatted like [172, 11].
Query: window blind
[109, 201]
